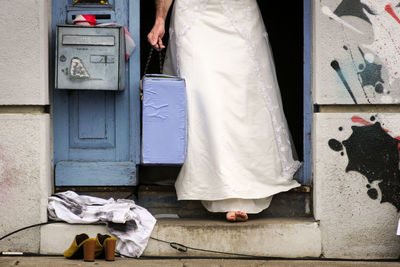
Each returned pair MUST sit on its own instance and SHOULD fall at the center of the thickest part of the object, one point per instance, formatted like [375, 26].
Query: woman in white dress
[239, 152]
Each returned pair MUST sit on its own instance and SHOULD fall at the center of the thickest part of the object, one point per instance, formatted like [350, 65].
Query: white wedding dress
[239, 152]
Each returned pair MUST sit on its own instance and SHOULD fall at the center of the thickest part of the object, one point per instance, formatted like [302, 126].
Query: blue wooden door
[96, 133]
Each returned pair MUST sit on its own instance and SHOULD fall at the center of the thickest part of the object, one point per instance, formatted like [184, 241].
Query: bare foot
[241, 216]
[236, 216]
[231, 216]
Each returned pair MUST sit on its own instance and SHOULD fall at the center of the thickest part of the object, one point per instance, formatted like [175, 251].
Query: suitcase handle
[161, 59]
[155, 75]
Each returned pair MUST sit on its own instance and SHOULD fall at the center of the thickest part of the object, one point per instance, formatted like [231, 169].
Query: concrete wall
[25, 135]
[356, 56]
[355, 149]
[24, 177]
[356, 185]
[24, 31]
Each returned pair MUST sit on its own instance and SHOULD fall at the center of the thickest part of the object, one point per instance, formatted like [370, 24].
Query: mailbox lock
[63, 58]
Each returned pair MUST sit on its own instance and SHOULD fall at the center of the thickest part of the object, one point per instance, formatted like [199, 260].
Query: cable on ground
[181, 248]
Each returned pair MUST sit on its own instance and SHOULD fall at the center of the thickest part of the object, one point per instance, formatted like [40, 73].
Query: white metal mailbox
[90, 57]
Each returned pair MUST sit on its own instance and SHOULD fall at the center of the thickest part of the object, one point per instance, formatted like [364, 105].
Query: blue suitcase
[164, 119]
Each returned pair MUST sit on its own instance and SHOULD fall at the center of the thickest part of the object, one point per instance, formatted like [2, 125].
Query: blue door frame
[306, 176]
[97, 134]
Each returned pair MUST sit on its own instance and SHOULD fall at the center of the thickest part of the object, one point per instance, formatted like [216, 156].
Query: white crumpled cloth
[130, 223]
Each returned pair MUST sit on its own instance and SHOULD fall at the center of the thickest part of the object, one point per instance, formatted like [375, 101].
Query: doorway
[285, 30]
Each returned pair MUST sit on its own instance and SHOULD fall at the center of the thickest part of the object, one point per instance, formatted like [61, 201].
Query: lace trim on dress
[238, 20]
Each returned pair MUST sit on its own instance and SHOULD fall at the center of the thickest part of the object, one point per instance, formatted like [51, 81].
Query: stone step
[162, 199]
[273, 237]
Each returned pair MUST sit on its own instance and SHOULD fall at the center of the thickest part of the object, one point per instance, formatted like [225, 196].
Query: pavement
[121, 262]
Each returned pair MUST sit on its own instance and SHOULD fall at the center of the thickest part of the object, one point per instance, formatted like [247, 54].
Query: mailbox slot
[88, 40]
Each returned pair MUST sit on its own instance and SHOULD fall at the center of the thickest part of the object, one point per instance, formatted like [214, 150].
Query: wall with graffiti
[356, 61]
[357, 51]
[356, 184]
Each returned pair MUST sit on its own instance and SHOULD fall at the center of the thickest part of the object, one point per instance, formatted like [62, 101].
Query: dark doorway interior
[284, 23]
[147, 15]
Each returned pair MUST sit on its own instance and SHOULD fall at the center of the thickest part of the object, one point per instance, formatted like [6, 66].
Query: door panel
[92, 119]
[96, 133]
[69, 173]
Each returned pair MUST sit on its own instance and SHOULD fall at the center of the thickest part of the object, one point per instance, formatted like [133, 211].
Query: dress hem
[272, 193]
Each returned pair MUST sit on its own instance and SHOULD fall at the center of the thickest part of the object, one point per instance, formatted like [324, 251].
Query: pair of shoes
[103, 246]
[236, 216]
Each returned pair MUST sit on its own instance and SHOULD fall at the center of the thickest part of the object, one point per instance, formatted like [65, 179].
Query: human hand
[156, 34]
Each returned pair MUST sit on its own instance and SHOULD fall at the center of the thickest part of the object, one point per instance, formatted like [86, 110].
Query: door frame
[305, 176]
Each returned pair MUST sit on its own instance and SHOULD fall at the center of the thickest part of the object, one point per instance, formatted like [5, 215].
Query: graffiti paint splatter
[385, 25]
[335, 65]
[372, 193]
[326, 10]
[379, 88]
[372, 152]
[365, 146]
[335, 145]
[389, 9]
[354, 63]
[352, 8]
[370, 73]
[360, 120]
[381, 55]
[378, 6]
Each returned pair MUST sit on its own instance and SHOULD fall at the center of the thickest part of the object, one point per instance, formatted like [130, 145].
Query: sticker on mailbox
[78, 70]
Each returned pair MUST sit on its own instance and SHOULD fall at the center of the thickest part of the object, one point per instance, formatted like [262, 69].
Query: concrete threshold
[271, 237]
[62, 262]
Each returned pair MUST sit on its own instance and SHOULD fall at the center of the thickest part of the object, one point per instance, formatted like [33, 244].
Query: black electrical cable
[27, 227]
[183, 248]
